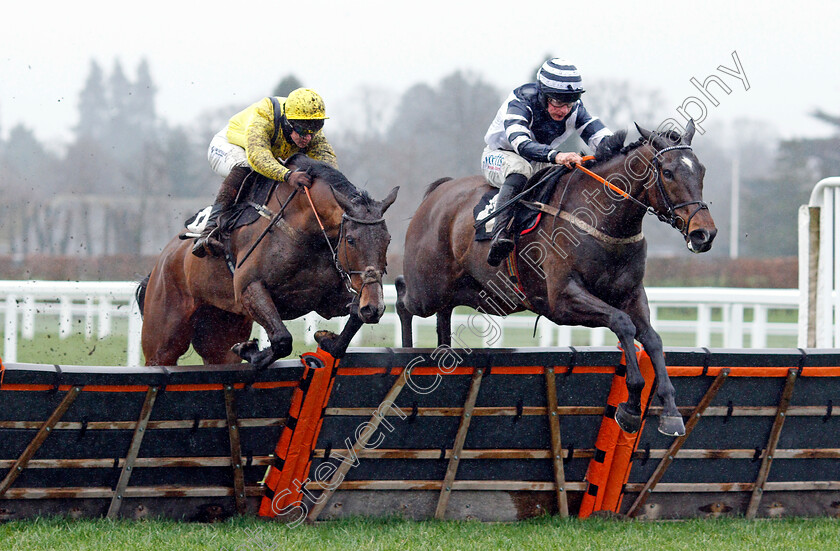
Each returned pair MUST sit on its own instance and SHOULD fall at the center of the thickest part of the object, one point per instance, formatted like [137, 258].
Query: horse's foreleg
[670, 422]
[257, 301]
[336, 345]
[577, 306]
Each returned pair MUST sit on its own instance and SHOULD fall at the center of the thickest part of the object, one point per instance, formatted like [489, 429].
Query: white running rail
[819, 267]
[707, 316]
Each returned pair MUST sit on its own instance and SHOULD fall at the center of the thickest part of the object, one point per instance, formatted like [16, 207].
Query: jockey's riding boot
[202, 243]
[225, 199]
[502, 243]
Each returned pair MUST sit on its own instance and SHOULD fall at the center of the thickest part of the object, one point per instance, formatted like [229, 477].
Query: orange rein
[600, 179]
[318, 218]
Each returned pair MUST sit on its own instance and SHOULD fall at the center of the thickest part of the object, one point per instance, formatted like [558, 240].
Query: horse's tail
[434, 185]
[140, 293]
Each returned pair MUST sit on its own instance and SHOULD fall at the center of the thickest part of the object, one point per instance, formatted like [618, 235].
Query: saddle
[524, 219]
[249, 207]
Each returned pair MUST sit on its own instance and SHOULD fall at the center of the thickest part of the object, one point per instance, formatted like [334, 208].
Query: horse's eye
[667, 173]
[350, 241]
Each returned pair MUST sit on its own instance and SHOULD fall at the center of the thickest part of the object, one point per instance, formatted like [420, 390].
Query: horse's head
[362, 249]
[675, 191]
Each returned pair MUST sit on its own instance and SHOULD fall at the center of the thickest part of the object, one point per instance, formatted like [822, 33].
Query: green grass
[363, 534]
[48, 348]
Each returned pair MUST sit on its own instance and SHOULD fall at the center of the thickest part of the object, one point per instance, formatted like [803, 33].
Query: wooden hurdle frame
[496, 435]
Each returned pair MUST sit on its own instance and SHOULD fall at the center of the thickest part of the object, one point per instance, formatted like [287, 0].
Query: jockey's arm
[258, 147]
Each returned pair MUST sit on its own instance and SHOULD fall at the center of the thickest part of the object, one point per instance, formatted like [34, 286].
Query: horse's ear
[343, 201]
[689, 132]
[389, 200]
[646, 134]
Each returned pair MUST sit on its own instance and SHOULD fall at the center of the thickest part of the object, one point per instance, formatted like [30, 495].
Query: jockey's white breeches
[498, 164]
[223, 155]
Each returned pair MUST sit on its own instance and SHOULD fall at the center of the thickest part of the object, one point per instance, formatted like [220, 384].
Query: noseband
[670, 216]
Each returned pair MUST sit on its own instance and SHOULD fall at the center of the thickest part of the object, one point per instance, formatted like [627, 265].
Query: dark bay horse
[296, 268]
[582, 265]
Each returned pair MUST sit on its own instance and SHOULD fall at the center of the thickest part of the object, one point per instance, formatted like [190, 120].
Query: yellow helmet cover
[305, 104]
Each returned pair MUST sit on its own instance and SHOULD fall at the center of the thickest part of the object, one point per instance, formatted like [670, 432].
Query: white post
[806, 288]
[835, 242]
[733, 329]
[10, 339]
[819, 268]
[824, 269]
[27, 330]
[104, 316]
[759, 331]
[89, 317]
[564, 335]
[65, 315]
[704, 325]
[546, 333]
[135, 325]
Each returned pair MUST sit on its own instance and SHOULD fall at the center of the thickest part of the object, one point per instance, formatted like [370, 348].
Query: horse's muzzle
[372, 310]
[700, 240]
[371, 297]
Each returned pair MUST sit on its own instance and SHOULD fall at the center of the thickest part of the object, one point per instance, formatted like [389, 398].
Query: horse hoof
[326, 341]
[324, 335]
[671, 425]
[245, 349]
[627, 421]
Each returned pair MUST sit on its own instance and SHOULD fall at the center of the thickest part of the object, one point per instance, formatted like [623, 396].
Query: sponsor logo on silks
[493, 162]
[216, 151]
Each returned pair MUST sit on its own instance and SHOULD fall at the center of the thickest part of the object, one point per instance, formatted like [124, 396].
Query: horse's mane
[333, 177]
[434, 185]
[612, 146]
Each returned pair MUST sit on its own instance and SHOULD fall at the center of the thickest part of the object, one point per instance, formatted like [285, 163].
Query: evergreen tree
[93, 106]
[142, 102]
[288, 84]
[121, 137]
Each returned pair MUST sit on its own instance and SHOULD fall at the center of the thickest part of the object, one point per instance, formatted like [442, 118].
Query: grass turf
[383, 534]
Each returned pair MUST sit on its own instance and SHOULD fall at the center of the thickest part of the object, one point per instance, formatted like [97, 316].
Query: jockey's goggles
[559, 101]
[305, 127]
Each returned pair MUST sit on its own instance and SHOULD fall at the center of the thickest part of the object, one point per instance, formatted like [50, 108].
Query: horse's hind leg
[165, 336]
[444, 327]
[403, 313]
[216, 331]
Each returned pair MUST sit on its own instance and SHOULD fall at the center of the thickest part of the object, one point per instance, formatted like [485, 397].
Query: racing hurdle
[499, 435]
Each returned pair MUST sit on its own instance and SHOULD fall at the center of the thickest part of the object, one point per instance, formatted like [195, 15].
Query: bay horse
[326, 255]
[582, 265]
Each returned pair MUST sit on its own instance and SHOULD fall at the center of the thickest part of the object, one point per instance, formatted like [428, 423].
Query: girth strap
[588, 228]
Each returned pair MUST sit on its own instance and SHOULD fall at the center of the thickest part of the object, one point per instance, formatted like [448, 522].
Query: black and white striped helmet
[559, 79]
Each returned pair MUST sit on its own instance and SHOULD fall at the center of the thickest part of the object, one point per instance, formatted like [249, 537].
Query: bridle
[670, 216]
[369, 276]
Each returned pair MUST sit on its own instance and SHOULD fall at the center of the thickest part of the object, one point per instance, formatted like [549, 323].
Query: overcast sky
[214, 53]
